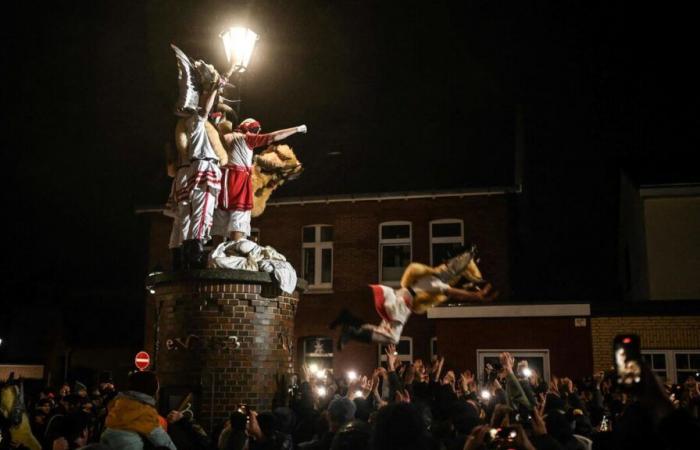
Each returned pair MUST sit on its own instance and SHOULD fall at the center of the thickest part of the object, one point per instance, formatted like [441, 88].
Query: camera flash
[352, 375]
[527, 372]
[321, 391]
[485, 394]
[359, 393]
[313, 368]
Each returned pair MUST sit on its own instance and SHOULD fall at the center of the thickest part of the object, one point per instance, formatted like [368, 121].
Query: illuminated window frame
[517, 353]
[394, 242]
[671, 366]
[318, 246]
[445, 239]
[403, 357]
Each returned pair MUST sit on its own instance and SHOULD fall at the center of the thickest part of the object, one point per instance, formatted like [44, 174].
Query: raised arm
[210, 96]
[283, 134]
[483, 295]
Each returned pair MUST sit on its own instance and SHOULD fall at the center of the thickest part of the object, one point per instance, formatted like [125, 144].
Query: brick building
[342, 243]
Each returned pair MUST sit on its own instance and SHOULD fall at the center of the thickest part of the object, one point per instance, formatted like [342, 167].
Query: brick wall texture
[667, 333]
[356, 257]
[210, 364]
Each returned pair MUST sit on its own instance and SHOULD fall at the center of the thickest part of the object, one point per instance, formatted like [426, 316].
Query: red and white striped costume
[236, 196]
[203, 180]
[178, 207]
[394, 306]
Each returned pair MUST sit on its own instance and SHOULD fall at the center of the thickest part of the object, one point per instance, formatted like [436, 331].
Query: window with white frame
[317, 256]
[404, 350]
[687, 365]
[673, 366]
[446, 235]
[395, 251]
[318, 353]
[537, 360]
[657, 363]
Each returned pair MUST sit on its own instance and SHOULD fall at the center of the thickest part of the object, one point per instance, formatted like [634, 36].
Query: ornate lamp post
[239, 43]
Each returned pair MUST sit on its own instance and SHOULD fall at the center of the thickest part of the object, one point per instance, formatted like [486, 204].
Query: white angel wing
[188, 98]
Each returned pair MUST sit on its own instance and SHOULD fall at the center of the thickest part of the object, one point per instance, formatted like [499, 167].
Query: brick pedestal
[223, 335]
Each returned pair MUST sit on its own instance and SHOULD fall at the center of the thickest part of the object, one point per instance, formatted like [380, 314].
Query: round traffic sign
[142, 360]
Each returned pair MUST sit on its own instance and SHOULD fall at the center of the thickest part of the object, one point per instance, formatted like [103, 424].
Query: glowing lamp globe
[239, 43]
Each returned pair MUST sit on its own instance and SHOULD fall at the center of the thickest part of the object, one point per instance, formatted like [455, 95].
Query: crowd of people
[401, 405]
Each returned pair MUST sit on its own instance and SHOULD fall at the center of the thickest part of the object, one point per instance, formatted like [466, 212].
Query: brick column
[225, 336]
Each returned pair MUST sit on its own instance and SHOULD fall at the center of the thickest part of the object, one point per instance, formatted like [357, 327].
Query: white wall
[672, 227]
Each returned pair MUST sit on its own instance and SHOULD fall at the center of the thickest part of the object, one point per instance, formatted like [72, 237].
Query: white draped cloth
[247, 255]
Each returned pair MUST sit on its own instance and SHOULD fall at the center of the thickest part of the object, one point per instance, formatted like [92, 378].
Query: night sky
[431, 87]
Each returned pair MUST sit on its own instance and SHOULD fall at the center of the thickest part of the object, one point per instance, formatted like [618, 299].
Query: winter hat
[341, 410]
[145, 382]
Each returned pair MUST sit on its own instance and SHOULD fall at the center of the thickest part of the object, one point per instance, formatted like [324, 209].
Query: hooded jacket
[132, 417]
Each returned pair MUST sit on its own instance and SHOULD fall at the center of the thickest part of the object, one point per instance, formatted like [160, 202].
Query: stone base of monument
[224, 336]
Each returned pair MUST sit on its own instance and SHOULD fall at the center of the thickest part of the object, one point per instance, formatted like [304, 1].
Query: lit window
[445, 235]
[395, 251]
[537, 360]
[318, 353]
[317, 256]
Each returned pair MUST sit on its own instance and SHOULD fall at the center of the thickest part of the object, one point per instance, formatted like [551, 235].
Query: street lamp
[239, 43]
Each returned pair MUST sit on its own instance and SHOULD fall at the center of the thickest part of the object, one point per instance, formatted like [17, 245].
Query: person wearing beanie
[132, 416]
[80, 389]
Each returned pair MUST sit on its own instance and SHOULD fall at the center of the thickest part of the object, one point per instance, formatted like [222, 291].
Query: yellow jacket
[130, 414]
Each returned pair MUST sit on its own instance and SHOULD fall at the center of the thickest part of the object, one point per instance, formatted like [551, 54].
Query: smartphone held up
[628, 359]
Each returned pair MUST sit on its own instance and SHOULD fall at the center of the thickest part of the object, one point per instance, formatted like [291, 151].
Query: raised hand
[306, 372]
[476, 438]
[507, 361]
[174, 416]
[391, 357]
[366, 385]
[253, 427]
[538, 426]
[437, 368]
[402, 396]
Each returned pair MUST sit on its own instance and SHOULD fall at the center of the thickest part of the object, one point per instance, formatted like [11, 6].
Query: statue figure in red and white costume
[236, 196]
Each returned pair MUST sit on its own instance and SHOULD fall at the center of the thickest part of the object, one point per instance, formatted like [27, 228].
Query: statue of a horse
[13, 415]
[272, 167]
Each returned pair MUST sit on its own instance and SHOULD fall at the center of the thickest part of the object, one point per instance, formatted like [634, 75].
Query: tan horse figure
[14, 413]
[271, 168]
